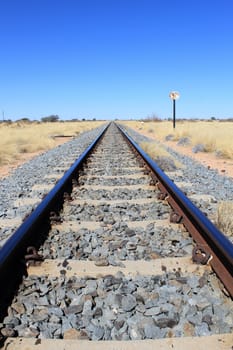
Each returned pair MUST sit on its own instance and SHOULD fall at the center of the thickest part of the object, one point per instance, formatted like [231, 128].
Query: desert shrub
[219, 154]
[153, 149]
[224, 219]
[166, 163]
[198, 148]
[51, 118]
[169, 137]
[158, 153]
[152, 118]
[224, 152]
[184, 141]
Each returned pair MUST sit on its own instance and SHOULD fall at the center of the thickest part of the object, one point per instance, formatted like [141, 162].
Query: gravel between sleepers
[119, 307]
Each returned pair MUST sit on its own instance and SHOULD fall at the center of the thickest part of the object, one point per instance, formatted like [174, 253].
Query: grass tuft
[161, 156]
[225, 218]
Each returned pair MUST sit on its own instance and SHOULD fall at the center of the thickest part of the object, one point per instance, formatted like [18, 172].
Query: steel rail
[203, 231]
[16, 245]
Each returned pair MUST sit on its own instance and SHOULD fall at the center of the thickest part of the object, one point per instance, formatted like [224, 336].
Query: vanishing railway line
[110, 255]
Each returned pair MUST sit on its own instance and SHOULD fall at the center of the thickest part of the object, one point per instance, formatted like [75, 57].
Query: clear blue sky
[116, 58]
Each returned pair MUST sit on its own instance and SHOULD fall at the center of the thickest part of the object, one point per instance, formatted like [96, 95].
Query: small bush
[219, 154]
[224, 153]
[225, 218]
[166, 163]
[184, 141]
[198, 148]
[169, 137]
[153, 149]
[160, 156]
[152, 118]
[51, 118]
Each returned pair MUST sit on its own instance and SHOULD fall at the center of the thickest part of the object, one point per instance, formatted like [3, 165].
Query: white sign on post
[174, 95]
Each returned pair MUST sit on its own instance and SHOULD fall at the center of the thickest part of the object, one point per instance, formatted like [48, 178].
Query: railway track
[107, 256]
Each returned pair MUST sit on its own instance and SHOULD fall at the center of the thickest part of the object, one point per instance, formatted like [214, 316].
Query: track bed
[115, 268]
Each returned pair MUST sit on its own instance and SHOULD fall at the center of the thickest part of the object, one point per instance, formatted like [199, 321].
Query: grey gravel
[109, 313]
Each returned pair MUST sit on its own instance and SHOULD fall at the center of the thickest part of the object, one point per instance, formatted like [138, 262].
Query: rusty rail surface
[213, 246]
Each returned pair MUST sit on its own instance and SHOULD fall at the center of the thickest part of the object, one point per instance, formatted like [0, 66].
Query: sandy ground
[224, 166]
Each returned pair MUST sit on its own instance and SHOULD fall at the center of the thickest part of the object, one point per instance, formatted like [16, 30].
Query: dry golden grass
[224, 218]
[215, 136]
[160, 155]
[154, 150]
[18, 138]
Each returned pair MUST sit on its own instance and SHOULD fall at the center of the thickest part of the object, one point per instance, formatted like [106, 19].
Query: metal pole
[174, 114]
[174, 95]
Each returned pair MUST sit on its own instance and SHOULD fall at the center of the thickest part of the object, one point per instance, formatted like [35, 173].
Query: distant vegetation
[50, 119]
[155, 118]
[47, 119]
[152, 118]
